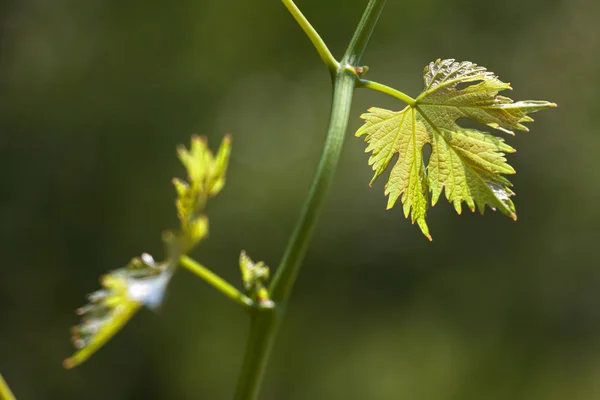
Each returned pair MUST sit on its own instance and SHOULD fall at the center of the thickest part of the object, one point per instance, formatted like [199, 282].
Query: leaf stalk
[5, 392]
[364, 83]
[215, 281]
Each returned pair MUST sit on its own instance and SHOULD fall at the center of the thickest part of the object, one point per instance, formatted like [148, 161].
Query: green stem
[363, 32]
[363, 83]
[216, 281]
[5, 392]
[288, 269]
[265, 324]
[315, 38]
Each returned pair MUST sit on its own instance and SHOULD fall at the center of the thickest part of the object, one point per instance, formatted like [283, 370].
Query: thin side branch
[330, 61]
[215, 281]
[5, 392]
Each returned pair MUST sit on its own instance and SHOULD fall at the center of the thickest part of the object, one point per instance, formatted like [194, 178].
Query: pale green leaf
[143, 281]
[466, 164]
[254, 276]
[206, 177]
[124, 291]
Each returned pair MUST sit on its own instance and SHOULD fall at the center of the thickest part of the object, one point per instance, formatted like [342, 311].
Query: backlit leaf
[467, 164]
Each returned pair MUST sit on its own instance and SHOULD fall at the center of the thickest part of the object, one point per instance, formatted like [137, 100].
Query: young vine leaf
[125, 291]
[206, 177]
[254, 277]
[143, 282]
[467, 164]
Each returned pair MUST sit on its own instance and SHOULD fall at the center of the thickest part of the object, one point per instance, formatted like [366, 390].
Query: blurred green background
[94, 97]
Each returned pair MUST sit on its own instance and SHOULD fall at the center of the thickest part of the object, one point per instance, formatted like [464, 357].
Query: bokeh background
[94, 97]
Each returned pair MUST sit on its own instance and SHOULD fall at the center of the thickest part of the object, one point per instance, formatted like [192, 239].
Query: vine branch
[265, 324]
[328, 58]
[5, 392]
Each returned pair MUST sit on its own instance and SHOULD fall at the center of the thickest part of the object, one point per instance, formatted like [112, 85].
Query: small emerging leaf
[141, 283]
[206, 178]
[467, 164]
[219, 167]
[254, 276]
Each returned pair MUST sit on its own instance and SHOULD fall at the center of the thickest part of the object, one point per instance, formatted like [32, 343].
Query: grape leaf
[143, 282]
[206, 178]
[254, 277]
[467, 164]
[124, 291]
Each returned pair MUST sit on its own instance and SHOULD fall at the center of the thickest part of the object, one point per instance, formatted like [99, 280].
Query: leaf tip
[513, 216]
[377, 173]
[68, 363]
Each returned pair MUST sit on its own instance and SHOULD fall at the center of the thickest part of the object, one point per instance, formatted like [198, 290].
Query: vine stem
[265, 324]
[5, 392]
